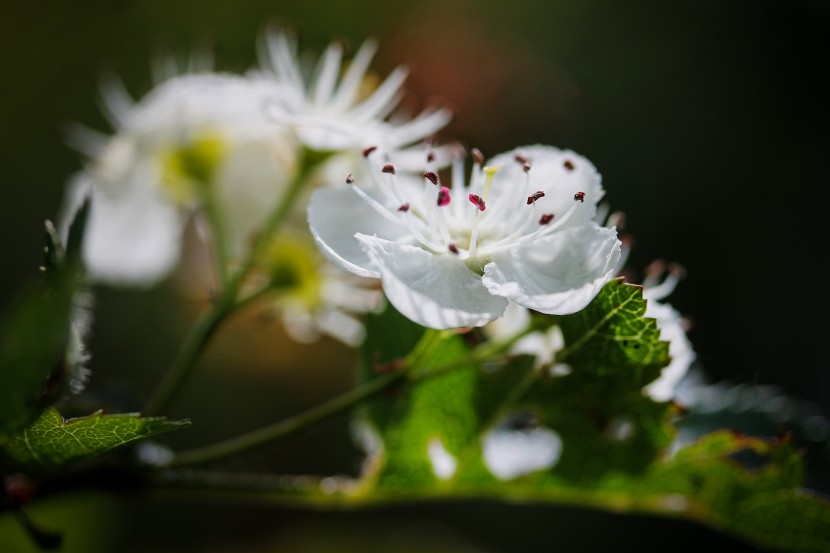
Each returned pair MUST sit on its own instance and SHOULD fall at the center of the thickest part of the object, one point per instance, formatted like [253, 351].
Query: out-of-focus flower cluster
[236, 158]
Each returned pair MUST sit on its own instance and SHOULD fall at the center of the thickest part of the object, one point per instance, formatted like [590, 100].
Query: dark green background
[706, 119]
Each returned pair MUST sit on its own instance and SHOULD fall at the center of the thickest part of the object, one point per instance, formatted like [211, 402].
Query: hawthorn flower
[192, 139]
[331, 113]
[520, 229]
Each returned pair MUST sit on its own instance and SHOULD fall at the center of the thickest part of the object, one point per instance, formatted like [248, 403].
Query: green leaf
[612, 352]
[33, 343]
[52, 443]
[42, 338]
[610, 441]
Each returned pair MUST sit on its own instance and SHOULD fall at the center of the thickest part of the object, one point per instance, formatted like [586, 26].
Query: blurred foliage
[705, 118]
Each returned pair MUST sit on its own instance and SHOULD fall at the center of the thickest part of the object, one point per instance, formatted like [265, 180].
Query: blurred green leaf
[52, 443]
[33, 343]
[39, 346]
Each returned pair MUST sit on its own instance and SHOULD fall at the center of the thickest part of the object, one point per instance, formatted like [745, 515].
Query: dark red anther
[579, 197]
[443, 196]
[368, 150]
[453, 248]
[521, 159]
[535, 196]
[349, 179]
[404, 208]
[546, 218]
[476, 199]
[478, 157]
[526, 167]
[569, 165]
[430, 156]
[431, 177]
[389, 169]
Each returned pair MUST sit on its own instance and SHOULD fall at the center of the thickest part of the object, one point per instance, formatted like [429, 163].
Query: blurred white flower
[192, 135]
[334, 112]
[657, 287]
[453, 258]
[512, 452]
[313, 297]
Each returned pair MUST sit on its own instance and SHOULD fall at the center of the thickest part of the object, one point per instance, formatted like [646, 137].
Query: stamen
[443, 196]
[431, 177]
[569, 165]
[535, 196]
[349, 179]
[389, 169]
[476, 199]
[521, 159]
[369, 150]
[404, 208]
[579, 197]
[478, 157]
[430, 156]
[453, 248]
[546, 218]
[526, 167]
[490, 171]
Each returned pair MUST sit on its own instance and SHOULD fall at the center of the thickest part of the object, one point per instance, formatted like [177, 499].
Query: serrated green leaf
[612, 352]
[613, 439]
[52, 443]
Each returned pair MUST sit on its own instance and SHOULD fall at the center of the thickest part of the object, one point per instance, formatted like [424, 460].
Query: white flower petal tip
[452, 257]
[509, 453]
[661, 280]
[333, 113]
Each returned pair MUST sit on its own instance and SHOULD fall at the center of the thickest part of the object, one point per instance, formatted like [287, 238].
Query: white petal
[327, 73]
[442, 461]
[558, 274]
[131, 239]
[509, 454]
[436, 291]
[249, 182]
[345, 95]
[669, 321]
[515, 319]
[335, 215]
[549, 174]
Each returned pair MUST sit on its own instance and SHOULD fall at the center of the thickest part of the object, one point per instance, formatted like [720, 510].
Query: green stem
[203, 331]
[185, 360]
[219, 236]
[339, 404]
[287, 426]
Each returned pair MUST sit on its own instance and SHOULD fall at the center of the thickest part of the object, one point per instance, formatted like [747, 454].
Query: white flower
[672, 329]
[453, 258]
[509, 453]
[334, 113]
[314, 298]
[208, 126]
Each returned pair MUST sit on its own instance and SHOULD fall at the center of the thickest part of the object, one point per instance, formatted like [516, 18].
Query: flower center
[474, 219]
